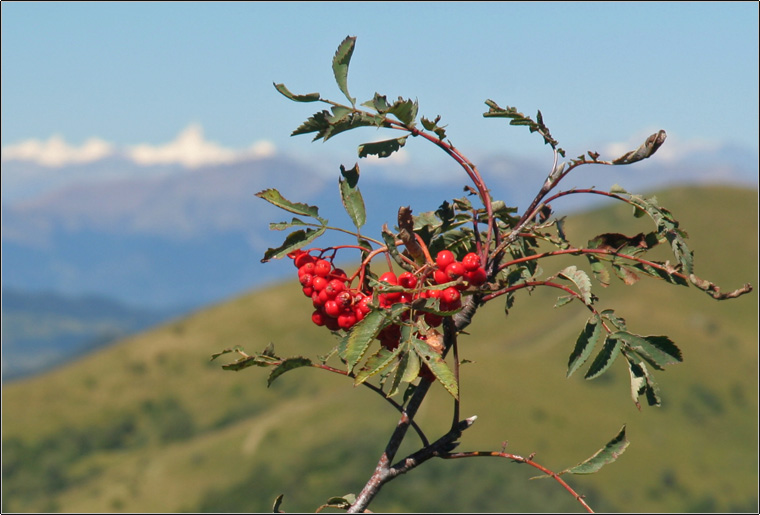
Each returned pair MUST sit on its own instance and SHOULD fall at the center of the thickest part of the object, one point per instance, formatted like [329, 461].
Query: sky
[164, 80]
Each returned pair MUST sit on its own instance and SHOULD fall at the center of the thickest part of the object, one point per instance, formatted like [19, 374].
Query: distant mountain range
[45, 330]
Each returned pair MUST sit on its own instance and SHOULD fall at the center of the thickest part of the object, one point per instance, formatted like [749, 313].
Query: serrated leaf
[309, 97]
[376, 363]
[340, 64]
[318, 123]
[625, 274]
[381, 149]
[281, 226]
[601, 274]
[405, 111]
[437, 365]
[361, 335]
[656, 350]
[581, 281]
[390, 242]
[642, 382]
[647, 149]
[610, 453]
[256, 360]
[294, 241]
[287, 365]
[352, 199]
[605, 358]
[274, 197]
[585, 344]
[407, 370]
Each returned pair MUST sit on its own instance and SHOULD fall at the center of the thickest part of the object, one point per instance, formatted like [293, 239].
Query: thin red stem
[520, 459]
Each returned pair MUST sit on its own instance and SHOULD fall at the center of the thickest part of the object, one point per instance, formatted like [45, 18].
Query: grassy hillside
[150, 424]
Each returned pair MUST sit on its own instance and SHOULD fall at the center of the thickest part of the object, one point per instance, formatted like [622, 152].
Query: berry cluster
[339, 306]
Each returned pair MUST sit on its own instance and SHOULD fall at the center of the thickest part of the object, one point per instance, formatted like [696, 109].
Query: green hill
[151, 425]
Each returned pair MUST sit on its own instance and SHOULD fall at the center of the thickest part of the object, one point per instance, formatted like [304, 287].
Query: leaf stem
[519, 459]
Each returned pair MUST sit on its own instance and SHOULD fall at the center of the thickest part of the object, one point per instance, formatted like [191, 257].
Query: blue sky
[139, 73]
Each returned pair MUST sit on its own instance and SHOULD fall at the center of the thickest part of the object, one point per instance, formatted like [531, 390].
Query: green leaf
[294, 241]
[656, 350]
[309, 97]
[354, 345]
[381, 149]
[405, 111]
[285, 366]
[585, 344]
[257, 360]
[376, 364]
[353, 202]
[390, 242]
[407, 370]
[581, 281]
[281, 226]
[437, 365]
[601, 274]
[602, 457]
[642, 382]
[340, 64]
[433, 126]
[647, 149]
[274, 197]
[605, 358]
[277, 504]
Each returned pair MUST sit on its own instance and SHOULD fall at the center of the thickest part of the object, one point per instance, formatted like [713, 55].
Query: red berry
[334, 287]
[440, 277]
[305, 279]
[444, 259]
[339, 273]
[471, 262]
[390, 278]
[331, 323]
[450, 306]
[318, 317]
[433, 320]
[308, 291]
[434, 294]
[332, 309]
[408, 280]
[347, 319]
[307, 268]
[362, 306]
[322, 268]
[302, 259]
[476, 277]
[450, 295]
[344, 299]
[455, 270]
[318, 283]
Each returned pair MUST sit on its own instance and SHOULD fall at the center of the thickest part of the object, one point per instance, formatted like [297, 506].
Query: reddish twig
[520, 459]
